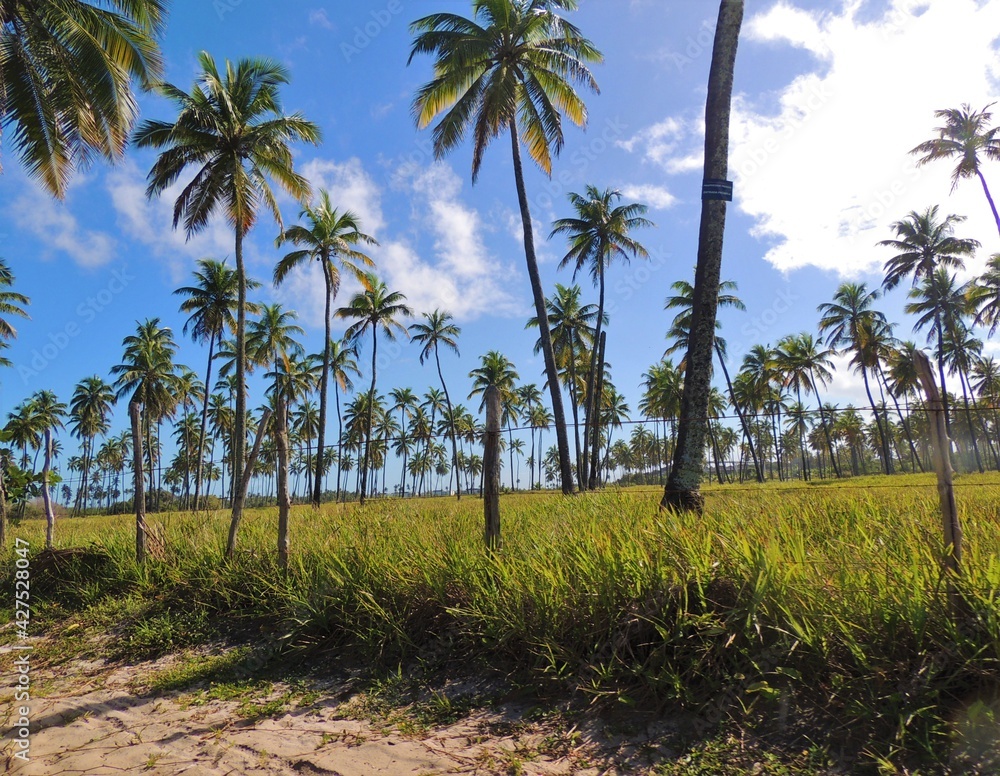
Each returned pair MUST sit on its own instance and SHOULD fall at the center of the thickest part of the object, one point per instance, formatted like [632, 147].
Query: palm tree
[90, 410]
[230, 127]
[11, 302]
[941, 305]
[147, 372]
[436, 329]
[599, 234]
[375, 308]
[965, 135]
[343, 364]
[66, 71]
[572, 332]
[680, 333]
[926, 243]
[404, 400]
[509, 69]
[805, 365]
[331, 238]
[984, 295]
[49, 412]
[847, 323]
[682, 490]
[211, 303]
[494, 371]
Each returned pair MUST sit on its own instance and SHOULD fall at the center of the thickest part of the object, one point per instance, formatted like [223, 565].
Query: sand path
[89, 717]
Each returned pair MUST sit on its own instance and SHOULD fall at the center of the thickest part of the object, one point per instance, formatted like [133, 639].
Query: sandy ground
[91, 717]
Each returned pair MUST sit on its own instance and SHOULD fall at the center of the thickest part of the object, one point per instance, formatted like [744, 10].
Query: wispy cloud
[58, 229]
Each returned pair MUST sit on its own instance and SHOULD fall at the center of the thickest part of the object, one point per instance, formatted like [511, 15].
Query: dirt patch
[90, 716]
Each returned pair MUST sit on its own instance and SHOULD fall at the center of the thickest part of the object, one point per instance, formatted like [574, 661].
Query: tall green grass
[828, 601]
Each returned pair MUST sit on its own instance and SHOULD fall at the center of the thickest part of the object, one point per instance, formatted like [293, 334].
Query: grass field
[813, 615]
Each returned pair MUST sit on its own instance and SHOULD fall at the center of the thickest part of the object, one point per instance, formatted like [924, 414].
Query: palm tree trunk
[739, 413]
[592, 421]
[50, 515]
[545, 336]
[324, 379]
[451, 416]
[682, 490]
[834, 462]
[968, 420]
[883, 439]
[574, 399]
[239, 432]
[340, 433]
[904, 419]
[368, 428]
[598, 389]
[138, 496]
[940, 360]
[986, 191]
[284, 502]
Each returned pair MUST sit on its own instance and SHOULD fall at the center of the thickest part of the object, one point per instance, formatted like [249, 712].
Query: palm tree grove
[500, 387]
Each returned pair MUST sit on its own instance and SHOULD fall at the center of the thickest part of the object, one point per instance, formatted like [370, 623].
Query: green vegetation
[813, 615]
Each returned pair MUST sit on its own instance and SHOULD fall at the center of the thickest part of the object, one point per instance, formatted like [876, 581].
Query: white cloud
[150, 222]
[461, 276]
[826, 175]
[318, 18]
[672, 144]
[822, 164]
[350, 187]
[657, 197]
[55, 226]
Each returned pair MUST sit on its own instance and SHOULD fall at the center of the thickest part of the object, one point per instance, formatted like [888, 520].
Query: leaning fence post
[941, 454]
[491, 468]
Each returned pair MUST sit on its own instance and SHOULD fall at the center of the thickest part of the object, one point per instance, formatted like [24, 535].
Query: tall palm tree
[66, 70]
[90, 412]
[148, 373]
[343, 364]
[965, 135]
[847, 321]
[331, 238]
[435, 330]
[404, 401]
[682, 490]
[806, 365]
[926, 243]
[211, 306]
[49, 413]
[494, 371]
[188, 391]
[941, 305]
[572, 332]
[511, 68]
[680, 333]
[599, 233]
[373, 309]
[230, 128]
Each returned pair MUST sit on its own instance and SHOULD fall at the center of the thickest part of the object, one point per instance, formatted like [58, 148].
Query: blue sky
[829, 98]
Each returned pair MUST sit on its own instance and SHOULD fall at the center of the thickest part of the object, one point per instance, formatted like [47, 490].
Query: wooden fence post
[491, 469]
[941, 453]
